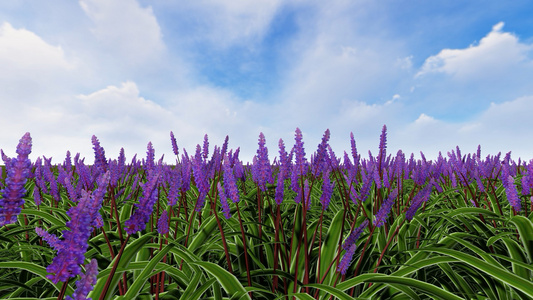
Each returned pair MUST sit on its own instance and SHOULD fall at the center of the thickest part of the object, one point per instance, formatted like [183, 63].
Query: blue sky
[437, 73]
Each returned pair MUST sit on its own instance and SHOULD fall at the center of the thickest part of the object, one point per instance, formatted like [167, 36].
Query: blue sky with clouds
[437, 73]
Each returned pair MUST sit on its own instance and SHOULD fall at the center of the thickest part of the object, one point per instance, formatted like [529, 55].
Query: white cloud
[125, 28]
[497, 55]
[24, 54]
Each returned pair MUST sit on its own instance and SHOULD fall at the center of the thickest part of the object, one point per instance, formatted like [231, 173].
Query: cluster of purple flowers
[350, 246]
[18, 170]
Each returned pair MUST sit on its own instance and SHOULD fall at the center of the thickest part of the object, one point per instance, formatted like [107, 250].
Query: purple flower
[51, 239]
[385, 208]
[321, 159]
[262, 172]
[18, 170]
[512, 193]
[300, 165]
[86, 282]
[205, 150]
[223, 201]
[346, 259]
[140, 217]
[354, 150]
[417, 201]
[174, 144]
[354, 236]
[162, 223]
[230, 186]
[327, 190]
[150, 157]
[382, 147]
[36, 195]
[100, 162]
[71, 250]
[200, 178]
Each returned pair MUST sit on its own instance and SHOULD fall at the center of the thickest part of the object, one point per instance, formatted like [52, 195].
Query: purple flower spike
[261, 166]
[417, 201]
[51, 239]
[346, 260]
[140, 217]
[85, 285]
[72, 248]
[384, 211]
[382, 147]
[512, 193]
[223, 201]
[327, 190]
[100, 162]
[230, 185]
[18, 170]
[162, 223]
[354, 236]
[174, 144]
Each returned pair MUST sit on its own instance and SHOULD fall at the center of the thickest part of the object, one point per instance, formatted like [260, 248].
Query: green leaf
[228, 281]
[129, 252]
[35, 269]
[330, 245]
[390, 279]
[525, 229]
[501, 274]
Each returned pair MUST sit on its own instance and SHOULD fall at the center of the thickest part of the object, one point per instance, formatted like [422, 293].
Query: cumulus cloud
[496, 56]
[125, 28]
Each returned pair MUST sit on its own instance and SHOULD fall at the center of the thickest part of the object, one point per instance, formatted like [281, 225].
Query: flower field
[305, 226]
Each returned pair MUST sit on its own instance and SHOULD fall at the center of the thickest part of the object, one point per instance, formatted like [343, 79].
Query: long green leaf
[228, 281]
[35, 269]
[501, 274]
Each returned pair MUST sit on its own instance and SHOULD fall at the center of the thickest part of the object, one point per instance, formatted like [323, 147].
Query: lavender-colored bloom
[51, 239]
[175, 184]
[262, 172]
[70, 189]
[367, 184]
[320, 162]
[230, 185]
[512, 193]
[140, 217]
[150, 157]
[85, 285]
[174, 144]
[306, 195]
[300, 165]
[327, 190]
[18, 170]
[50, 177]
[67, 164]
[100, 162]
[36, 195]
[354, 150]
[162, 223]
[280, 188]
[71, 252]
[223, 201]
[354, 236]
[382, 147]
[417, 201]
[224, 147]
[200, 177]
[385, 208]
[346, 259]
[205, 150]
